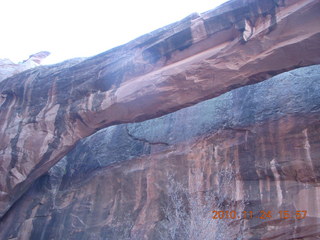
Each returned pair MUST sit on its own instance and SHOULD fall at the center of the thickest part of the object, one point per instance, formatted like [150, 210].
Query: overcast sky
[82, 28]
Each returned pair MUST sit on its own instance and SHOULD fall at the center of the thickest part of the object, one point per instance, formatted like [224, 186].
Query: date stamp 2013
[265, 215]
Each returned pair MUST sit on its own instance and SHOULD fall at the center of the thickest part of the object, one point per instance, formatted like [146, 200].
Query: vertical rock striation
[255, 149]
[44, 111]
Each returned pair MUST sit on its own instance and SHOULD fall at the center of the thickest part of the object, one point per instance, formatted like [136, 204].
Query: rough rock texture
[46, 110]
[255, 148]
[8, 68]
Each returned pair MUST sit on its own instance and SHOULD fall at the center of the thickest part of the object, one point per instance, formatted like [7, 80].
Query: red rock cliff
[266, 156]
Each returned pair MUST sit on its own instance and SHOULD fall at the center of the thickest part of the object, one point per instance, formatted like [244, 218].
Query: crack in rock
[144, 140]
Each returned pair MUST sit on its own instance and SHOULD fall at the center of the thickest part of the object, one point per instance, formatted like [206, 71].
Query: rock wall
[255, 149]
[46, 110]
[249, 148]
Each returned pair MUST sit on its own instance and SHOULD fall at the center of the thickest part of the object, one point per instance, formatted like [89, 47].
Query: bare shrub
[188, 215]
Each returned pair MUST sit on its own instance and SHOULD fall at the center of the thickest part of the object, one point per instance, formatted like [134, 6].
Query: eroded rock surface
[9, 68]
[254, 148]
[46, 110]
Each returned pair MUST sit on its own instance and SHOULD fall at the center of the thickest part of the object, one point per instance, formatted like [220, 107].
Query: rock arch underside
[217, 112]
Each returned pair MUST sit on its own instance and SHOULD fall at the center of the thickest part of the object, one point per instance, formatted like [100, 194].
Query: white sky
[82, 28]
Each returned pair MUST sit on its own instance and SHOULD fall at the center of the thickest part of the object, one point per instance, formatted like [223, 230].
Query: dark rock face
[255, 148]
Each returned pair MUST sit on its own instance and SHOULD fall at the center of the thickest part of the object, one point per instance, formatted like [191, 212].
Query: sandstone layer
[9, 68]
[46, 110]
[256, 148]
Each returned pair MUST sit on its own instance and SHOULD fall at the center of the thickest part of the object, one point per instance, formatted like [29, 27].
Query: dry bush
[188, 215]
